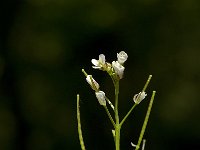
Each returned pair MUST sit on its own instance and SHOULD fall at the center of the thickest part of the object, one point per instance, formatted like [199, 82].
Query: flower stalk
[79, 124]
[145, 121]
[117, 125]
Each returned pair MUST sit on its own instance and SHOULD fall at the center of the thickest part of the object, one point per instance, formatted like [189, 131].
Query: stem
[147, 83]
[128, 113]
[84, 72]
[79, 125]
[117, 137]
[145, 120]
[117, 125]
[116, 100]
[109, 115]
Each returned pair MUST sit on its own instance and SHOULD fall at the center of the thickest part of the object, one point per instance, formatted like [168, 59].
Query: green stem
[109, 115]
[128, 114]
[145, 120]
[117, 125]
[117, 136]
[147, 83]
[84, 72]
[79, 125]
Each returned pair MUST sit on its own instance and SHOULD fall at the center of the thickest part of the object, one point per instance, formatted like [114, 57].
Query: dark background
[44, 44]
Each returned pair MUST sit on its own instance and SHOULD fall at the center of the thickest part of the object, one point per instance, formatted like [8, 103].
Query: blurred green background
[44, 44]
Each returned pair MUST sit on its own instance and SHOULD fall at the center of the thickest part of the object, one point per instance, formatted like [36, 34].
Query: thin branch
[145, 120]
[79, 125]
[109, 115]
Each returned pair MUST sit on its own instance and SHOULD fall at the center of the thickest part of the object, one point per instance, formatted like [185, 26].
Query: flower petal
[102, 59]
[95, 62]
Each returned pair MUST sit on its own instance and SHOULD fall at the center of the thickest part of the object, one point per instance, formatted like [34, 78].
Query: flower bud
[101, 97]
[122, 57]
[94, 85]
[139, 97]
[119, 69]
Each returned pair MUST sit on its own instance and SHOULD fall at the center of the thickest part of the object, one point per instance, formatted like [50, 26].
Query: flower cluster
[115, 68]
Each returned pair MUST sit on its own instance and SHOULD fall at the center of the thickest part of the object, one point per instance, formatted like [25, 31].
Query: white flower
[94, 85]
[122, 57]
[101, 97]
[98, 64]
[141, 95]
[119, 69]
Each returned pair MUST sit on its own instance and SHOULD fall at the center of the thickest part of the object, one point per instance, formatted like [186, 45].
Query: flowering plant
[116, 72]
